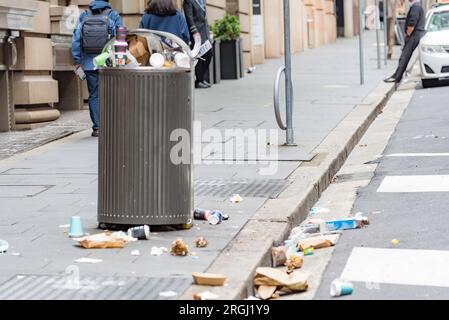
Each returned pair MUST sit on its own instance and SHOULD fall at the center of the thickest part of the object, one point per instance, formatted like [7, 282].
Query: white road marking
[398, 155]
[413, 184]
[398, 266]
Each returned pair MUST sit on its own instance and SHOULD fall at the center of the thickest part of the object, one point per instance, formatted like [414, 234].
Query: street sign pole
[385, 5]
[288, 75]
[362, 62]
[379, 63]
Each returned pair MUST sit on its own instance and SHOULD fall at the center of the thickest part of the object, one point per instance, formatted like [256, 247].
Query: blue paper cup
[76, 227]
[340, 288]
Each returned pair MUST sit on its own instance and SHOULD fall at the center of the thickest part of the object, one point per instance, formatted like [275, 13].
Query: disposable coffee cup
[157, 60]
[340, 288]
[182, 60]
[141, 233]
[216, 217]
[76, 227]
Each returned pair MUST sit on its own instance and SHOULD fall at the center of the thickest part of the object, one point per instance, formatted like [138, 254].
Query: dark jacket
[175, 24]
[416, 18]
[196, 19]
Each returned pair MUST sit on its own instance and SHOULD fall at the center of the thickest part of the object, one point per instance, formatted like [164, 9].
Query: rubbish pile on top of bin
[144, 48]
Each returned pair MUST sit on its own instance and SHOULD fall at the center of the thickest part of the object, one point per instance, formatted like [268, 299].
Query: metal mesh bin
[138, 182]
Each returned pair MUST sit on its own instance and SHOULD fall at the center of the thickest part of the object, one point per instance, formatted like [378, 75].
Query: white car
[434, 47]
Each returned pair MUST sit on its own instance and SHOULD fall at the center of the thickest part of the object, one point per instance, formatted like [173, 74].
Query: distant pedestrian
[392, 7]
[163, 15]
[195, 11]
[414, 29]
[91, 34]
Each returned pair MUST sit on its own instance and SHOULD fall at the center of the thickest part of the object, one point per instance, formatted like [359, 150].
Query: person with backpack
[96, 26]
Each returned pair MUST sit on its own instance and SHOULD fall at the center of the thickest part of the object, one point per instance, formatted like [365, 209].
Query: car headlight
[432, 49]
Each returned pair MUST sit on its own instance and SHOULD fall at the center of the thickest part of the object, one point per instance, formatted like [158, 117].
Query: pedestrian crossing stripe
[398, 266]
[414, 184]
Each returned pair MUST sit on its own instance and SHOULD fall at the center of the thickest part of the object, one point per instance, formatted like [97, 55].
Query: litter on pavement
[266, 292]
[318, 242]
[155, 251]
[318, 210]
[206, 295]
[140, 233]
[295, 282]
[340, 288]
[395, 242]
[4, 246]
[88, 260]
[168, 294]
[294, 262]
[105, 240]
[179, 248]
[236, 198]
[208, 279]
[279, 256]
[76, 227]
[214, 217]
[201, 242]
[135, 253]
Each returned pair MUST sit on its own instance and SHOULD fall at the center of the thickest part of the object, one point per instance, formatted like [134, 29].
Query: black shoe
[206, 83]
[200, 85]
[391, 80]
[95, 133]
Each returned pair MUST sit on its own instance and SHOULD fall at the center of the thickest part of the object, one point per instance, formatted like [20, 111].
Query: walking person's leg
[391, 35]
[202, 68]
[407, 52]
[92, 78]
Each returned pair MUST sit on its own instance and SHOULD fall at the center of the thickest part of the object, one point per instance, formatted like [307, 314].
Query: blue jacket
[175, 24]
[86, 60]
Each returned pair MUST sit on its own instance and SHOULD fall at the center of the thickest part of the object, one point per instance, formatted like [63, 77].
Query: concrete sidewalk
[42, 189]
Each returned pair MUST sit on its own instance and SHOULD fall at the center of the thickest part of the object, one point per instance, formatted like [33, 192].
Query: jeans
[94, 106]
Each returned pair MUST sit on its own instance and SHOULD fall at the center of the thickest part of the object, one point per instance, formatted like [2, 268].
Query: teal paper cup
[340, 288]
[76, 227]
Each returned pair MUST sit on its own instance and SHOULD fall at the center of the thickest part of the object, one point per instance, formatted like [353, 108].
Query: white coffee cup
[157, 60]
[182, 60]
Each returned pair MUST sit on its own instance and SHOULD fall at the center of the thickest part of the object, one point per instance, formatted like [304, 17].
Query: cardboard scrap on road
[270, 277]
[208, 279]
[318, 242]
[266, 292]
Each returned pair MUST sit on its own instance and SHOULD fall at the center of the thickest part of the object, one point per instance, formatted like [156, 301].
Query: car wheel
[427, 83]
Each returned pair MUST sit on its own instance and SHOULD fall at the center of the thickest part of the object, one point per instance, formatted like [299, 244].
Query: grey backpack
[95, 31]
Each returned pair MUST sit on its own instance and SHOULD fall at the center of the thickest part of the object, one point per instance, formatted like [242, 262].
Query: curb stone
[272, 223]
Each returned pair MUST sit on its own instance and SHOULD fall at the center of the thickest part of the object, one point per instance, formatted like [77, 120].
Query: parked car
[434, 47]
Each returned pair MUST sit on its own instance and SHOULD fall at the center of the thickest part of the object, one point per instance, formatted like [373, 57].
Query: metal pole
[362, 62]
[385, 7]
[379, 64]
[288, 74]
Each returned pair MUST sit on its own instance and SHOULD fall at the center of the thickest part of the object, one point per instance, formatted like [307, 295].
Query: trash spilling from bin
[105, 240]
[179, 248]
[214, 217]
[209, 279]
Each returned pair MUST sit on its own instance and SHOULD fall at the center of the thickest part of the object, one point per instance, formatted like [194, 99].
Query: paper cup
[182, 60]
[76, 227]
[340, 288]
[157, 60]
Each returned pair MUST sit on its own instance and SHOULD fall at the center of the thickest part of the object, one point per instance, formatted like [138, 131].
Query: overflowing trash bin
[146, 113]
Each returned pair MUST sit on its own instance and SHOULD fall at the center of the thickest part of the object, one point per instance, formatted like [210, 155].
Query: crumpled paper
[105, 240]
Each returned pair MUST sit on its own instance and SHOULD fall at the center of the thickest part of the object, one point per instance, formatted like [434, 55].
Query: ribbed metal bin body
[138, 183]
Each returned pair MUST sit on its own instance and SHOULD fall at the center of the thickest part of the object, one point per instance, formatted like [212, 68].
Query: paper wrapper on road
[270, 277]
[318, 242]
[106, 240]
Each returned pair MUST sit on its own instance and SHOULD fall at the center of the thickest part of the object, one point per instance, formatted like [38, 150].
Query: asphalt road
[408, 200]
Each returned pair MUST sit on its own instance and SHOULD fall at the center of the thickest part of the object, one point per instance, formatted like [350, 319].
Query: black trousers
[202, 67]
[411, 43]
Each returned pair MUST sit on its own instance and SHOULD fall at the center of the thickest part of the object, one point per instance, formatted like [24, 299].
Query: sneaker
[95, 133]
[390, 80]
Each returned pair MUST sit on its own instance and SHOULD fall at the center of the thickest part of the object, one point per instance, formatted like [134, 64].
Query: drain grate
[251, 188]
[46, 287]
